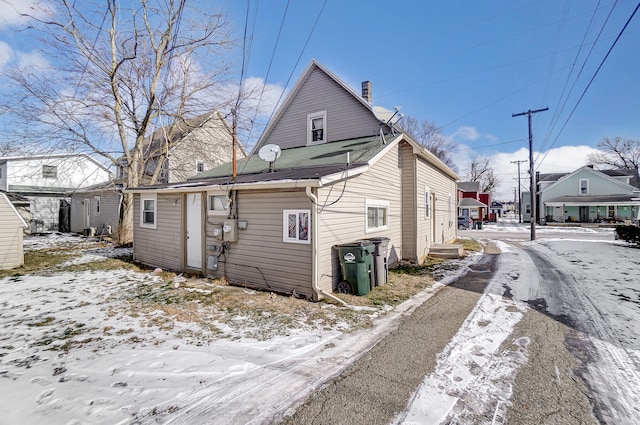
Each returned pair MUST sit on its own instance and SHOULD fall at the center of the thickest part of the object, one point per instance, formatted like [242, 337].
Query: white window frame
[427, 203]
[96, 202]
[378, 204]
[310, 118]
[298, 238]
[586, 187]
[210, 204]
[149, 197]
[200, 166]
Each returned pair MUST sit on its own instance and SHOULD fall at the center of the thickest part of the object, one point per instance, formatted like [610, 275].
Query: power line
[584, 92]
[298, 60]
[559, 109]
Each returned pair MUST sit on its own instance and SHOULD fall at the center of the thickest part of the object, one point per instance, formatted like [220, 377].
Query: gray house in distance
[585, 195]
[329, 169]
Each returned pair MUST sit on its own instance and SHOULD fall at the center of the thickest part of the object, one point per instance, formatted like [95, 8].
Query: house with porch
[473, 203]
[585, 195]
[329, 169]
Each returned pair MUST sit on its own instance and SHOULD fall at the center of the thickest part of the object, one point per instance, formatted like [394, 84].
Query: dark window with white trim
[148, 211]
[317, 128]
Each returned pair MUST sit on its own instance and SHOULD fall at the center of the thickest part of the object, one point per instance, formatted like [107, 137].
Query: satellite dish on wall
[269, 153]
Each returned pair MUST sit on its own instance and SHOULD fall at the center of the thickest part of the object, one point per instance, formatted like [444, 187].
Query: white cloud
[466, 133]
[11, 11]
[32, 61]
[6, 54]
[557, 160]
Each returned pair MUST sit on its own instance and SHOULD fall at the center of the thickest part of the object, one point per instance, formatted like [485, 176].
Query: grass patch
[36, 261]
[102, 265]
[470, 244]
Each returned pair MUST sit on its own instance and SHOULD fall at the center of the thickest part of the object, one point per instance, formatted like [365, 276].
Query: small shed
[11, 230]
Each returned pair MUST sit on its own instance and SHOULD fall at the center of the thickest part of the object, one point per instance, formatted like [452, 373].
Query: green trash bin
[480, 225]
[356, 265]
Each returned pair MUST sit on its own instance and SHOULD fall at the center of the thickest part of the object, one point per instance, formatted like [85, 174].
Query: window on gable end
[584, 186]
[317, 128]
[199, 167]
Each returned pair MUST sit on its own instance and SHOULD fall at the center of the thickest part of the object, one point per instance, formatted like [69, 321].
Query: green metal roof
[360, 151]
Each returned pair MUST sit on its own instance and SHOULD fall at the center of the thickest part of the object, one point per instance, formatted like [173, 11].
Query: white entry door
[87, 212]
[194, 231]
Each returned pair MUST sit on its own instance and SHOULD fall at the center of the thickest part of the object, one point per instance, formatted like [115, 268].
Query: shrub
[629, 233]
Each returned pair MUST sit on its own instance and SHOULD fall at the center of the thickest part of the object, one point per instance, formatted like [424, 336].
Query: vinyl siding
[109, 205]
[409, 206]
[346, 117]
[11, 250]
[598, 185]
[162, 246]
[441, 226]
[345, 221]
[260, 257]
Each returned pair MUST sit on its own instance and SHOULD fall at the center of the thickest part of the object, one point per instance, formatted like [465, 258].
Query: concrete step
[452, 250]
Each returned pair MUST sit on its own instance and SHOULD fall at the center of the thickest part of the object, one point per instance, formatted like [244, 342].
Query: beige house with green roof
[329, 169]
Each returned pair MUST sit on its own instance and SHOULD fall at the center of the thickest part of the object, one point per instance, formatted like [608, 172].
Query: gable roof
[182, 127]
[302, 80]
[470, 202]
[3, 196]
[304, 166]
[598, 173]
[53, 156]
[469, 186]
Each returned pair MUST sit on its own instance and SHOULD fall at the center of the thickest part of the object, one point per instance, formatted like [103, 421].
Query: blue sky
[465, 65]
[468, 66]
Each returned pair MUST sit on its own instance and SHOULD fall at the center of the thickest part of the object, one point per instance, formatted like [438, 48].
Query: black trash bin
[356, 265]
[380, 259]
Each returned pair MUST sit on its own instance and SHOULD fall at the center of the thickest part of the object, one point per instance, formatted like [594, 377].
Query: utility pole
[519, 206]
[532, 187]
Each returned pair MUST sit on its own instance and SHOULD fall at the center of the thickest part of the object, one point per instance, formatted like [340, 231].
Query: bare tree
[115, 75]
[618, 153]
[429, 136]
[480, 170]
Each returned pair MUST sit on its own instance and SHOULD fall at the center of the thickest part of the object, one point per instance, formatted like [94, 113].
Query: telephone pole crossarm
[532, 187]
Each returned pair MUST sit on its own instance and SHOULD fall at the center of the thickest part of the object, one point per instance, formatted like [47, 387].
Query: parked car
[464, 222]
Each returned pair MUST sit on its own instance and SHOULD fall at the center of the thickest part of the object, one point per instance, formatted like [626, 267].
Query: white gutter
[314, 248]
[280, 184]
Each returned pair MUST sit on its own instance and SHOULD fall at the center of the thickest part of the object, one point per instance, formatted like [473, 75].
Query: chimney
[366, 91]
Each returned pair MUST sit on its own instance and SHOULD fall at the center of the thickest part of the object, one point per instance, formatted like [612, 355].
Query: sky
[465, 66]
[141, 365]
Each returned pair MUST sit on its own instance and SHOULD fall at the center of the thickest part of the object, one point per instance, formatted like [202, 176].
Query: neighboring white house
[47, 181]
[11, 229]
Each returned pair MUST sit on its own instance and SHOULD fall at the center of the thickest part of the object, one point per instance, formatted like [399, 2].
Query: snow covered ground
[69, 355]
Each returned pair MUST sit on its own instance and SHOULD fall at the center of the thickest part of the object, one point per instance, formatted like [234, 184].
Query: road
[582, 353]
